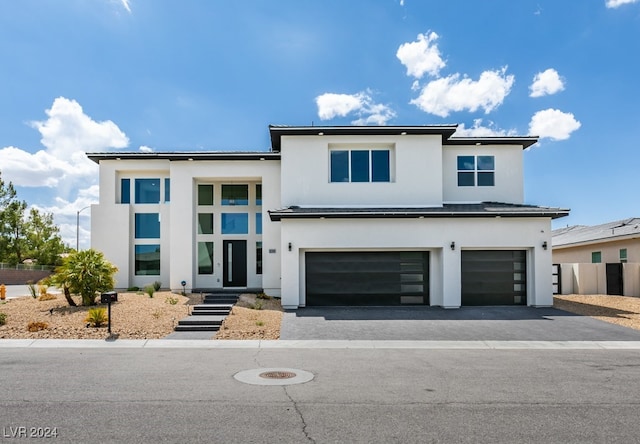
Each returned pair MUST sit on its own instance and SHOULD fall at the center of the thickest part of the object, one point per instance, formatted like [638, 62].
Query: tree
[43, 239]
[86, 273]
[26, 237]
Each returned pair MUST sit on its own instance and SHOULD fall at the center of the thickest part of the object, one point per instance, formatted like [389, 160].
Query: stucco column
[451, 277]
[541, 292]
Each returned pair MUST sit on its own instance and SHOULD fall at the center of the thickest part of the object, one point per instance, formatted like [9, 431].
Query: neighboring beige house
[612, 242]
[599, 259]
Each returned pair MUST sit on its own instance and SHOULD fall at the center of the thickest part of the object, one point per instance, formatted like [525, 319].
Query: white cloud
[66, 135]
[126, 5]
[447, 94]
[546, 83]
[421, 56]
[145, 149]
[618, 3]
[68, 129]
[63, 166]
[478, 130]
[553, 124]
[331, 105]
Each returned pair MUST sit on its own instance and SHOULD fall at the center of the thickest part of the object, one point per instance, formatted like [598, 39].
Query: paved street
[394, 394]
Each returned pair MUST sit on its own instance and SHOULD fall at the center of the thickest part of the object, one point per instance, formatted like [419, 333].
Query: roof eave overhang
[277, 216]
[523, 141]
[277, 132]
[184, 156]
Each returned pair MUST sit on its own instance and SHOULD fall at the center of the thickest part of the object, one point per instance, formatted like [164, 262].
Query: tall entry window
[360, 166]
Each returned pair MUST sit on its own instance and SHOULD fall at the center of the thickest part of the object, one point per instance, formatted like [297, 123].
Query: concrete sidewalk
[311, 344]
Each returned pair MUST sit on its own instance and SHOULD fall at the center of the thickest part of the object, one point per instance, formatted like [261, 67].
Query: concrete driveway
[438, 324]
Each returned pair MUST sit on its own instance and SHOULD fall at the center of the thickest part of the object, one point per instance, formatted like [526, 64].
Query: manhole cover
[277, 375]
[274, 376]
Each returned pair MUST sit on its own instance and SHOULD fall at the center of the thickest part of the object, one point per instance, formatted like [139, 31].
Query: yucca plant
[97, 316]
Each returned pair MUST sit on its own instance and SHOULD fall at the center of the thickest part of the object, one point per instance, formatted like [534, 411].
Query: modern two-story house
[355, 215]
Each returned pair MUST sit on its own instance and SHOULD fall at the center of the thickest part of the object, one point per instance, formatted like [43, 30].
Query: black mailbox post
[108, 298]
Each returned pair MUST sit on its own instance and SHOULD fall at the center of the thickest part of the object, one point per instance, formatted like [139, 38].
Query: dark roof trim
[526, 142]
[277, 132]
[447, 210]
[186, 156]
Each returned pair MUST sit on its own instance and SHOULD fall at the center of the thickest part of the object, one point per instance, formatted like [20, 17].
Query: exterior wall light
[289, 246]
[453, 246]
[544, 245]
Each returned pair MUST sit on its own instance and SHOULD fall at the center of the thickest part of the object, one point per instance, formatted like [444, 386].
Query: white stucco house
[350, 215]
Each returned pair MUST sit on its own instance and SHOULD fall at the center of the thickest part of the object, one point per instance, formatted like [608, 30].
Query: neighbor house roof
[185, 155]
[580, 234]
[484, 209]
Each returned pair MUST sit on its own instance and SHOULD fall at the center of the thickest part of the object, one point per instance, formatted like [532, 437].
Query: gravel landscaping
[134, 316]
[620, 310]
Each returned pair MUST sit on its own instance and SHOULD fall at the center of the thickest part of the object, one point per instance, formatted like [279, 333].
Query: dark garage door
[494, 278]
[367, 278]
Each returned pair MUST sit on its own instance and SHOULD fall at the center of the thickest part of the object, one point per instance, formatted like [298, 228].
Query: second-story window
[360, 166]
[147, 191]
[476, 171]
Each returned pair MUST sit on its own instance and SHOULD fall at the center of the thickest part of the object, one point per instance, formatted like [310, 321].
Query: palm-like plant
[85, 273]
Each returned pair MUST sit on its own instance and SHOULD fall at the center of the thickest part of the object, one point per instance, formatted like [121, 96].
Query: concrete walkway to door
[419, 323]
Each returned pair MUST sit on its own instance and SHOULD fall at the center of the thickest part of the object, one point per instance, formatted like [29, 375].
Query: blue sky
[133, 75]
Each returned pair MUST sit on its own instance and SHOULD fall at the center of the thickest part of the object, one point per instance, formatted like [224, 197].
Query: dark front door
[235, 263]
[614, 279]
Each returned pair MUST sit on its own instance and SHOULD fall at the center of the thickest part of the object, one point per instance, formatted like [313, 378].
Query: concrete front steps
[208, 316]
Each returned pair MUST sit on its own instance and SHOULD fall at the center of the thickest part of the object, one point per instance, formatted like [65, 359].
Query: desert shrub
[257, 306]
[171, 300]
[42, 289]
[157, 314]
[3, 318]
[97, 316]
[157, 285]
[259, 323]
[37, 326]
[134, 288]
[32, 289]
[46, 297]
[149, 290]
[263, 295]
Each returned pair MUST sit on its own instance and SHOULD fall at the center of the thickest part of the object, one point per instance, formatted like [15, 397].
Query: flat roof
[484, 209]
[277, 131]
[185, 155]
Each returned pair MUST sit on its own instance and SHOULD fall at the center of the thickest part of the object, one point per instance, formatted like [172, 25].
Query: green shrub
[157, 285]
[259, 323]
[134, 288]
[32, 289]
[97, 316]
[149, 290]
[171, 300]
[3, 318]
